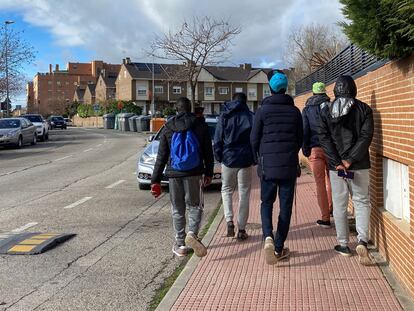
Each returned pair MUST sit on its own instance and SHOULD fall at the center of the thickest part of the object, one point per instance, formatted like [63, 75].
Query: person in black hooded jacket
[313, 151]
[185, 186]
[232, 148]
[276, 139]
[345, 133]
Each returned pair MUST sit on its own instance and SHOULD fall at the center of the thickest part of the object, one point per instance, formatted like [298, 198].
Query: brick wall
[88, 122]
[389, 91]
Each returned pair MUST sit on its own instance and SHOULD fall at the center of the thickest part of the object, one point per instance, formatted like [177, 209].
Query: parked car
[42, 127]
[17, 132]
[56, 122]
[146, 160]
[68, 121]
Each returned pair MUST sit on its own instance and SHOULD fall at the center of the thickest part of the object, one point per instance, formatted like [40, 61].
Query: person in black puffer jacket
[345, 133]
[232, 148]
[185, 186]
[276, 139]
[312, 149]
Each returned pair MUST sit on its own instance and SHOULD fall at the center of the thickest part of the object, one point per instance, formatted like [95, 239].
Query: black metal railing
[352, 61]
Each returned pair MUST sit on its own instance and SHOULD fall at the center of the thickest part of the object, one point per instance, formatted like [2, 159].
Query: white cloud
[112, 30]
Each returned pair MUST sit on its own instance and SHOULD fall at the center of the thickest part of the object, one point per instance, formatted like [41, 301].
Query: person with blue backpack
[186, 151]
[276, 139]
[233, 150]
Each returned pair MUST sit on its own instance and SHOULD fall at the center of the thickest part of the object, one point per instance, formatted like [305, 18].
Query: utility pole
[153, 91]
[7, 67]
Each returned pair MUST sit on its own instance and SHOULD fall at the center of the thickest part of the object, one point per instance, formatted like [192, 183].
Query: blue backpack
[185, 154]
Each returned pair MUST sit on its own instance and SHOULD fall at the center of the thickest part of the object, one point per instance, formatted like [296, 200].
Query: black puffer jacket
[232, 137]
[277, 136]
[179, 123]
[347, 127]
[311, 119]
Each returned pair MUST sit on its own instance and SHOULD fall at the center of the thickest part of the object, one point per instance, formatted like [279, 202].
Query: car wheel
[34, 140]
[43, 138]
[144, 187]
[47, 136]
[19, 142]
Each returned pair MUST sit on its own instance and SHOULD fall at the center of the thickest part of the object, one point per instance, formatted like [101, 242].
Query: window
[49, 82]
[176, 89]
[158, 89]
[142, 91]
[238, 90]
[396, 189]
[252, 92]
[58, 83]
[67, 83]
[208, 91]
[266, 92]
[223, 90]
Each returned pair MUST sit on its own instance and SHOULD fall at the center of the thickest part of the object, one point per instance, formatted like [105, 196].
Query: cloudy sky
[82, 30]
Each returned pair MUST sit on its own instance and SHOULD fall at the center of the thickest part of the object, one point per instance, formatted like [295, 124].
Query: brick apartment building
[51, 92]
[216, 84]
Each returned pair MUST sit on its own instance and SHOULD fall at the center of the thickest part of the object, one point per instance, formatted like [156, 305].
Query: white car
[42, 127]
[146, 160]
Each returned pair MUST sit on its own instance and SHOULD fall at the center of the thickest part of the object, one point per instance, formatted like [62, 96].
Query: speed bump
[30, 243]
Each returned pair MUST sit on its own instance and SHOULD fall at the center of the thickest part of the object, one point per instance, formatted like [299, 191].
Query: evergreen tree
[385, 28]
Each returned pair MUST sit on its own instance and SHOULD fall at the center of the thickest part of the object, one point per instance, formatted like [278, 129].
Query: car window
[24, 123]
[11, 123]
[34, 118]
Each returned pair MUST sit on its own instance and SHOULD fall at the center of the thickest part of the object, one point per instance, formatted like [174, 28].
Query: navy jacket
[311, 119]
[277, 136]
[232, 137]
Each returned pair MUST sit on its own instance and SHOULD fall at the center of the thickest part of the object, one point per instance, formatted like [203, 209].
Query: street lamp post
[6, 53]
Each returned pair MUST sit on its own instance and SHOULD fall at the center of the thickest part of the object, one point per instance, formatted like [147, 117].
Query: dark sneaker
[269, 251]
[285, 253]
[192, 240]
[230, 229]
[323, 224]
[343, 250]
[331, 213]
[362, 252]
[242, 235]
[180, 251]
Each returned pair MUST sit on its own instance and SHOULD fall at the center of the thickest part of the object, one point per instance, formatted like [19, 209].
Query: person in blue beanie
[276, 138]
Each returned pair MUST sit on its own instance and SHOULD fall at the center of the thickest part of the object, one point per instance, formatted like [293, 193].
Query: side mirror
[151, 138]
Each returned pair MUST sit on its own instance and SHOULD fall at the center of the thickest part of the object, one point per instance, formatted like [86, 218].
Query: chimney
[57, 67]
[127, 60]
[123, 61]
[247, 66]
[50, 68]
[103, 73]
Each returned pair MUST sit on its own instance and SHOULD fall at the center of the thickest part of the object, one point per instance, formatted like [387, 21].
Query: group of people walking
[334, 135]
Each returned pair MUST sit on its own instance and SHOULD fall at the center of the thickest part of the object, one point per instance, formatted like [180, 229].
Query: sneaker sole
[287, 254]
[344, 254]
[269, 250]
[362, 252]
[178, 254]
[199, 249]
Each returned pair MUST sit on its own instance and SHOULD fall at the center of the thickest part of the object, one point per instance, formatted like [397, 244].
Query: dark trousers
[269, 190]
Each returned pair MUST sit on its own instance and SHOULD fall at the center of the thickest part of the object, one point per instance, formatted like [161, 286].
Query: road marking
[87, 150]
[99, 145]
[81, 201]
[134, 173]
[60, 159]
[26, 226]
[115, 184]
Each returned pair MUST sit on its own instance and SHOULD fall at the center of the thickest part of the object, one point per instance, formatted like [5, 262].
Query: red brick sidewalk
[234, 276]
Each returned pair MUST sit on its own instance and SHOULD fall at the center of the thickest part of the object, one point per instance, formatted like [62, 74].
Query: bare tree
[311, 46]
[202, 42]
[19, 53]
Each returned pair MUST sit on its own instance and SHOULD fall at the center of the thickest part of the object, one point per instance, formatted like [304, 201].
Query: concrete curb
[171, 297]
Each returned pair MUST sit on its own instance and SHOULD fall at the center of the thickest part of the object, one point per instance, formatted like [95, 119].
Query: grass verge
[169, 281]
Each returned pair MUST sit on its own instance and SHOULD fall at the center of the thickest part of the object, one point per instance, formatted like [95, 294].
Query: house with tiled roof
[79, 94]
[105, 89]
[89, 96]
[216, 84]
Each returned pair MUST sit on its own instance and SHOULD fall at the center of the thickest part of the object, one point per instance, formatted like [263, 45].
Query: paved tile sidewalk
[234, 276]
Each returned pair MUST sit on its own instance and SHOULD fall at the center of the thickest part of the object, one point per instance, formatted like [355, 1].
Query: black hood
[278, 99]
[234, 106]
[317, 99]
[181, 122]
[345, 87]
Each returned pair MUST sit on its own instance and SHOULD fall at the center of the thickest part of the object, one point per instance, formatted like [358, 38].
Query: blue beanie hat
[278, 81]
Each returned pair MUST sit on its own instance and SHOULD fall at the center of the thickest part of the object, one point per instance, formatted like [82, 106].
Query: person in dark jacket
[345, 133]
[185, 186]
[232, 148]
[276, 139]
[313, 151]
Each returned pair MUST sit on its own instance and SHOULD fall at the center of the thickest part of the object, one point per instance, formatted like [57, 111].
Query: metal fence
[352, 61]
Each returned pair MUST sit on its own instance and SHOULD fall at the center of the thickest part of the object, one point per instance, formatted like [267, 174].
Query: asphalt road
[122, 250]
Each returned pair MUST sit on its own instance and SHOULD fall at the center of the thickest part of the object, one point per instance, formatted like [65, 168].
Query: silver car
[17, 132]
[146, 160]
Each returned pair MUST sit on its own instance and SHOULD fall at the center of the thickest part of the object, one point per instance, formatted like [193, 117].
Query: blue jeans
[269, 189]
